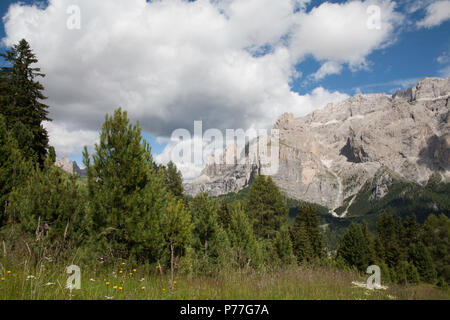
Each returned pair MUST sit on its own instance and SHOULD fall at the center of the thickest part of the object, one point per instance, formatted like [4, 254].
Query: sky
[230, 63]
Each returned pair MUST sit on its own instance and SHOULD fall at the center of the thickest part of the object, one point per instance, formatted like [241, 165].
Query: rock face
[328, 155]
[65, 164]
[70, 167]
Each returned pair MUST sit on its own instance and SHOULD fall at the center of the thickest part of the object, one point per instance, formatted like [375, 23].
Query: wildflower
[143, 288]
[8, 272]
[107, 283]
[164, 289]
[131, 274]
[174, 282]
[31, 277]
[134, 270]
[143, 279]
[123, 263]
[120, 288]
[2, 279]
[115, 287]
[92, 280]
[121, 271]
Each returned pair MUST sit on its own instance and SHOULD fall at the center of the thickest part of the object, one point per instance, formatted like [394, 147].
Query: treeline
[132, 208]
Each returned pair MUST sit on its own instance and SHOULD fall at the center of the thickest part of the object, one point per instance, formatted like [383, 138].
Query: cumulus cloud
[436, 13]
[229, 63]
[341, 32]
[328, 68]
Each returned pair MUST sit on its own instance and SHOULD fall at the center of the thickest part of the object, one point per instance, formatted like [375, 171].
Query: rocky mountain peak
[328, 155]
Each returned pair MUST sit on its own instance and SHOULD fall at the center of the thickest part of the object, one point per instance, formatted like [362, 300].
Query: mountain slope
[333, 155]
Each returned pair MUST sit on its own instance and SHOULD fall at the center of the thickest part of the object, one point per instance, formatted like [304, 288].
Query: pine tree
[387, 241]
[245, 248]
[421, 258]
[306, 232]
[22, 95]
[14, 169]
[370, 243]
[266, 207]
[51, 205]
[436, 237]
[127, 197]
[210, 242]
[176, 227]
[301, 243]
[173, 180]
[353, 248]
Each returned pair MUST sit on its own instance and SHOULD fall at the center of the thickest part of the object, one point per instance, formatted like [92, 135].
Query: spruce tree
[353, 248]
[266, 207]
[176, 228]
[173, 180]
[14, 168]
[245, 248]
[22, 95]
[436, 237]
[370, 243]
[210, 242]
[387, 241]
[421, 258]
[307, 221]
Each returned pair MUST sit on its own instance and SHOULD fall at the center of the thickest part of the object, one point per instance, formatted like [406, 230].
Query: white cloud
[445, 72]
[229, 63]
[67, 142]
[340, 32]
[328, 68]
[436, 13]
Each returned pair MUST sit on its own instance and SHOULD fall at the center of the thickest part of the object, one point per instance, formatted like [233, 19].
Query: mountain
[356, 153]
[70, 167]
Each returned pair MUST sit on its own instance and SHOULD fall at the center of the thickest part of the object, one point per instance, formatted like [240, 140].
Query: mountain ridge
[328, 155]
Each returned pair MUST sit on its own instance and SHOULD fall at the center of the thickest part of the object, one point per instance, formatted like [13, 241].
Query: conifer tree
[14, 169]
[210, 242]
[353, 248]
[51, 205]
[176, 227]
[387, 241]
[22, 95]
[308, 221]
[173, 180]
[127, 196]
[436, 237]
[301, 243]
[421, 258]
[370, 243]
[266, 207]
[245, 248]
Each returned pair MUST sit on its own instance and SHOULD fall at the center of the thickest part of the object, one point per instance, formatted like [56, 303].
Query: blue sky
[406, 54]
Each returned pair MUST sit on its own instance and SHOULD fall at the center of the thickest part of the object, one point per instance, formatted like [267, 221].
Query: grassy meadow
[47, 281]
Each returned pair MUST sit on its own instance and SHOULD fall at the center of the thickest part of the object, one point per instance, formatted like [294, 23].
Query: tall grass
[124, 282]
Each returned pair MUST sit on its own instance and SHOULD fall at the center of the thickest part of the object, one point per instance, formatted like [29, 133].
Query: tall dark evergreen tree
[21, 95]
[266, 207]
[353, 248]
[387, 240]
[306, 235]
[173, 180]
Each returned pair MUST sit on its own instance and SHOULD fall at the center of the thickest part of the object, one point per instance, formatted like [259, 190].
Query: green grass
[293, 283]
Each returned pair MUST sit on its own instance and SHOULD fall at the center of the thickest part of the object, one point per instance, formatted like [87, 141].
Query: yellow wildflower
[143, 288]
[134, 270]
[120, 288]
[3, 279]
[8, 272]
[115, 287]
[107, 283]
[121, 271]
